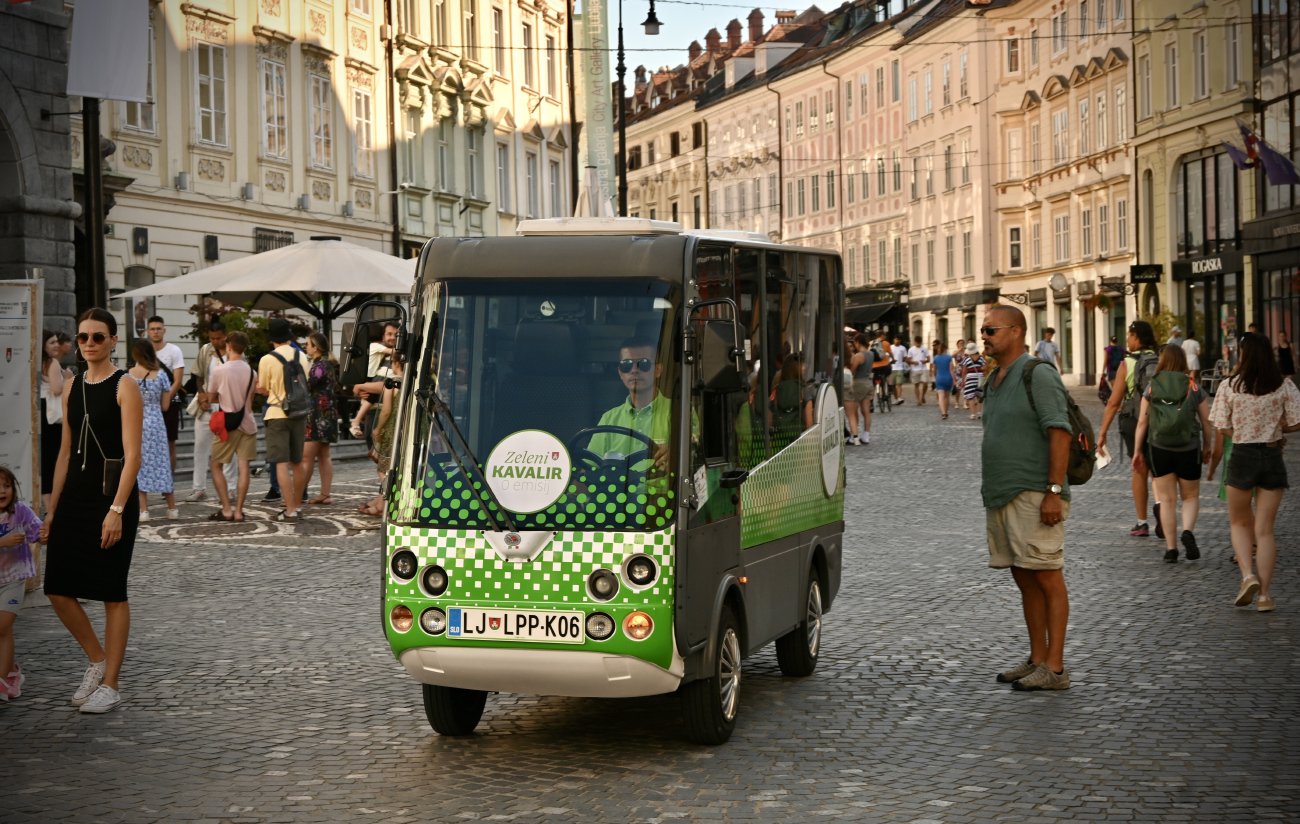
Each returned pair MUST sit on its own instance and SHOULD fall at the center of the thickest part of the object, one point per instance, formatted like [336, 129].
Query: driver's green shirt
[653, 420]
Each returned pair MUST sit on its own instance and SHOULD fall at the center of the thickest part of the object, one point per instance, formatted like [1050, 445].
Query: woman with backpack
[1172, 441]
[1256, 407]
[1132, 377]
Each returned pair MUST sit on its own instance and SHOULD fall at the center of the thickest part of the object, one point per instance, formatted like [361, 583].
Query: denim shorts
[1256, 466]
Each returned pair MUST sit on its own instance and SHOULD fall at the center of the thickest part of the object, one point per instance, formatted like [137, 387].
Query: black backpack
[1083, 443]
[297, 398]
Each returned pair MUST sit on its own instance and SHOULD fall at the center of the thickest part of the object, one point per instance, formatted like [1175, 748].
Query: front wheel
[453, 711]
[796, 651]
[709, 705]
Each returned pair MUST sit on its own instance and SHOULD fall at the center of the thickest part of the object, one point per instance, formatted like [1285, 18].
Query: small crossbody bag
[113, 467]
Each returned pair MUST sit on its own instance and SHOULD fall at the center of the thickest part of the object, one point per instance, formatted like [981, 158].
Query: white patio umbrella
[324, 277]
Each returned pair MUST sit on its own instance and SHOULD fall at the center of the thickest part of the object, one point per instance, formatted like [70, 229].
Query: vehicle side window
[714, 415]
[785, 369]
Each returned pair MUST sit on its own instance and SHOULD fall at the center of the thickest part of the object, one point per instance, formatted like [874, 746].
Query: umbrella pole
[327, 318]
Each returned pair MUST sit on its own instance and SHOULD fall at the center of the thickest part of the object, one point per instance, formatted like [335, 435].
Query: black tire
[797, 650]
[453, 711]
[710, 705]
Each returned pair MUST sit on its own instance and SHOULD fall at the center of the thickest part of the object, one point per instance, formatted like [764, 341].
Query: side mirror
[718, 355]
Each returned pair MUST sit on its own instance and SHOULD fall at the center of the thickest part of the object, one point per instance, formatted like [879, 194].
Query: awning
[870, 313]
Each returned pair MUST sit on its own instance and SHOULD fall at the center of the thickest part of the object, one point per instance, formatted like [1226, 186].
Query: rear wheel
[710, 705]
[796, 651]
[453, 711]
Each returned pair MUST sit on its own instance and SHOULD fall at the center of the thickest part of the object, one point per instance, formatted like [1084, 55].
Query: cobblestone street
[258, 685]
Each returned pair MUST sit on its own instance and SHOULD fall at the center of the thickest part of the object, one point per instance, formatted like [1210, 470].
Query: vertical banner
[20, 369]
[596, 145]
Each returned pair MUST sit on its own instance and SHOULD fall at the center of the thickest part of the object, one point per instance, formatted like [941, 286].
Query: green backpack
[1171, 411]
[1083, 444]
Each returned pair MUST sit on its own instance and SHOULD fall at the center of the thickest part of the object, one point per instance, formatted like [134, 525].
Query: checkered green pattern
[784, 495]
[557, 576]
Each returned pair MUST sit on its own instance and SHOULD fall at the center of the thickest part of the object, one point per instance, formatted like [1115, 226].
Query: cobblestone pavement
[259, 688]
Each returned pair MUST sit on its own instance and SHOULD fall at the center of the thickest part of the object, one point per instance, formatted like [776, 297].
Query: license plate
[515, 625]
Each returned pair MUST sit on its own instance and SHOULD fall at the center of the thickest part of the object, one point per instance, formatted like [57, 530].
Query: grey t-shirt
[1198, 396]
[1047, 350]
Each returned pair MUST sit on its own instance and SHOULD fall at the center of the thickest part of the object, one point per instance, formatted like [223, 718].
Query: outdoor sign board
[1146, 273]
[596, 146]
[20, 368]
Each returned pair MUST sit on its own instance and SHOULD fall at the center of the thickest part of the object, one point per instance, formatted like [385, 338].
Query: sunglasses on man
[642, 365]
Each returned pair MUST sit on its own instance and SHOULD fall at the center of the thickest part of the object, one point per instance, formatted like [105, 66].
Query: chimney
[733, 34]
[694, 50]
[711, 41]
[639, 73]
[756, 25]
[785, 17]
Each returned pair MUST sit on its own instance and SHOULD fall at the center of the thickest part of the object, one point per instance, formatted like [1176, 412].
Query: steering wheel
[597, 461]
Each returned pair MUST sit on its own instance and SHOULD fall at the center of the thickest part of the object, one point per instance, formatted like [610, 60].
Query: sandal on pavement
[321, 499]
[218, 516]
[284, 515]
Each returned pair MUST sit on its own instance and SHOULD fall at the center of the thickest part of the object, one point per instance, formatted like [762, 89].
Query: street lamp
[651, 27]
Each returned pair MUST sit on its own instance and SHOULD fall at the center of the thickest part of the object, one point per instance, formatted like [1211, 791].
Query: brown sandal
[217, 516]
[321, 499]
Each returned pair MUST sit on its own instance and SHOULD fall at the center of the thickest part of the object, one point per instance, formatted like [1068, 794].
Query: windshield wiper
[432, 406]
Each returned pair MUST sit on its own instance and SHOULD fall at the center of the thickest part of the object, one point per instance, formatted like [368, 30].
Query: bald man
[1024, 456]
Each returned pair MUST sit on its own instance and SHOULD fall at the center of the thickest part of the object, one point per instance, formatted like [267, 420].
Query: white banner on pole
[596, 145]
[20, 369]
[109, 56]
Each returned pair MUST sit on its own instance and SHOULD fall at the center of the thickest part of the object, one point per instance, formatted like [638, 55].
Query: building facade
[1193, 83]
[1065, 211]
[37, 209]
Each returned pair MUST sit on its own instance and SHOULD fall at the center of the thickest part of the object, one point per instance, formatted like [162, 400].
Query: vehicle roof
[574, 256]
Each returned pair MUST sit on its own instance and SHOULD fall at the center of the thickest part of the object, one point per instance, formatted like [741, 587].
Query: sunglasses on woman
[86, 337]
[642, 364]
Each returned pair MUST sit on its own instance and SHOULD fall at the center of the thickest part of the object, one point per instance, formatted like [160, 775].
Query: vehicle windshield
[565, 395]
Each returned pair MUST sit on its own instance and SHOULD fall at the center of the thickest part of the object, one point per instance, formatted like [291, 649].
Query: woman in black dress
[90, 537]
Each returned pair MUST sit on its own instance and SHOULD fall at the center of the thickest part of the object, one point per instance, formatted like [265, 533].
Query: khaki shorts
[859, 390]
[237, 444]
[897, 378]
[921, 377]
[284, 437]
[1019, 538]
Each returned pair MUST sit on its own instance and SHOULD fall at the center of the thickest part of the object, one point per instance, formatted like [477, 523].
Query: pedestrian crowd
[108, 442]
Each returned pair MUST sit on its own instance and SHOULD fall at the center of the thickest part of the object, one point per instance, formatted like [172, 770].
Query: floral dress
[323, 422]
[155, 458]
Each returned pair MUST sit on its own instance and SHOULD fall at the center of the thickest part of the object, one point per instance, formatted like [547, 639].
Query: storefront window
[1067, 336]
[1281, 303]
[1228, 318]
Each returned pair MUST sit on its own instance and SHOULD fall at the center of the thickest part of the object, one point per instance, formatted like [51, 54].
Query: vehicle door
[709, 544]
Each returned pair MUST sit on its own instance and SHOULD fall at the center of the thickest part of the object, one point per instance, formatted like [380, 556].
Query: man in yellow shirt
[645, 410]
[284, 435]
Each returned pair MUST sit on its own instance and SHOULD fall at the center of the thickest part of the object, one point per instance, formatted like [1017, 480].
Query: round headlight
[433, 621]
[599, 626]
[401, 618]
[404, 565]
[641, 570]
[603, 584]
[435, 580]
[638, 626]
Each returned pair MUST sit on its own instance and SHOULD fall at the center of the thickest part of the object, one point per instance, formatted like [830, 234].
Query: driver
[644, 411]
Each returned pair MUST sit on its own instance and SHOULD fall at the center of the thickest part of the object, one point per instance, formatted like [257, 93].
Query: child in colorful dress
[20, 529]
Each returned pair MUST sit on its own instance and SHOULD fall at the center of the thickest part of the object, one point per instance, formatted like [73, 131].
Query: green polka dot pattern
[784, 495]
[601, 499]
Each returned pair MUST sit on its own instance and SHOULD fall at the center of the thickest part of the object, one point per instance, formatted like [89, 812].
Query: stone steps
[347, 449]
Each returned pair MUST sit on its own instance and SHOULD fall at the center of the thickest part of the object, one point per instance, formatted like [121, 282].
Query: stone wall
[36, 206]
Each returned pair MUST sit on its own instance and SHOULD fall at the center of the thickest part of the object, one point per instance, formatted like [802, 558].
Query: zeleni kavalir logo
[528, 471]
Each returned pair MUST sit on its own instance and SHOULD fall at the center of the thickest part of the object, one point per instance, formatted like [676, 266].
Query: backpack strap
[284, 379]
[1028, 379]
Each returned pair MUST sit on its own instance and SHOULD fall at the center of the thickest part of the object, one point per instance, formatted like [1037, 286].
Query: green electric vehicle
[617, 467]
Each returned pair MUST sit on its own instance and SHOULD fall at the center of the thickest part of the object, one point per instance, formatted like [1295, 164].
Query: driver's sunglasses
[989, 331]
[97, 337]
[642, 365]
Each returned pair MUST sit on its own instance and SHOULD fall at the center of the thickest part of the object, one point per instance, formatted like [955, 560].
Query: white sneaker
[195, 495]
[173, 514]
[102, 700]
[144, 516]
[865, 438]
[89, 683]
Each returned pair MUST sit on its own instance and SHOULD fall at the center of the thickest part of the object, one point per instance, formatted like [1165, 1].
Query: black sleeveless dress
[76, 565]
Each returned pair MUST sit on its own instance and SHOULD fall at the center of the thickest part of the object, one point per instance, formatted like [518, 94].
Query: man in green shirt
[644, 411]
[1023, 460]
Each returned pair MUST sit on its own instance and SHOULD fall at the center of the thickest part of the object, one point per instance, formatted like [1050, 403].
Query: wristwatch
[118, 509]
[1055, 489]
